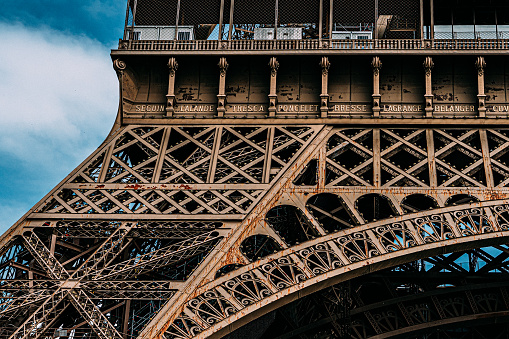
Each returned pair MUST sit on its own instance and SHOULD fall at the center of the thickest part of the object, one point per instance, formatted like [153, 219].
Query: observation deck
[443, 62]
[314, 27]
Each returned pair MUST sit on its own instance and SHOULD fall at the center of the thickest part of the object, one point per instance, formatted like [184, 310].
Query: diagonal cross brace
[98, 321]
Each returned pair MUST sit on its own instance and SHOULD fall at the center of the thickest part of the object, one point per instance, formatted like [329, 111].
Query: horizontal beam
[166, 186]
[346, 122]
[133, 216]
[318, 52]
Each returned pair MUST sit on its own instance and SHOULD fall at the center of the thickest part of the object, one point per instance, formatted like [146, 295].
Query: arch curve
[291, 267]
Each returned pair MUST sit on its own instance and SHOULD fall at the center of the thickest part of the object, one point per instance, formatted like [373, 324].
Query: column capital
[274, 66]
[428, 65]
[480, 65]
[325, 65]
[223, 66]
[376, 64]
[172, 66]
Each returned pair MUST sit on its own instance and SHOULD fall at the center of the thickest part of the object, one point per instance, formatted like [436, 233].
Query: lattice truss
[77, 277]
[235, 216]
[198, 170]
[418, 158]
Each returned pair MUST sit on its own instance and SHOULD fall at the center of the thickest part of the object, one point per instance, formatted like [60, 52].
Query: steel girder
[156, 211]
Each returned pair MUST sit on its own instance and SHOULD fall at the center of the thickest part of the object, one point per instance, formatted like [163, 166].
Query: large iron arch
[311, 266]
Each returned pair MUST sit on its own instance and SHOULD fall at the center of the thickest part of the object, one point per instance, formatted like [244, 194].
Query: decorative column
[170, 97]
[480, 64]
[221, 97]
[376, 64]
[428, 66]
[274, 65]
[324, 97]
[119, 67]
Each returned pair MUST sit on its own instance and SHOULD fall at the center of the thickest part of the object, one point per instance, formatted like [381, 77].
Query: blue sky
[58, 93]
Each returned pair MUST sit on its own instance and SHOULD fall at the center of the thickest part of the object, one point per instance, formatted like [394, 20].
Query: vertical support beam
[480, 65]
[221, 97]
[274, 66]
[432, 20]
[106, 164]
[432, 166]
[170, 97]
[175, 38]
[324, 96]
[486, 158]
[161, 155]
[268, 155]
[320, 23]
[221, 15]
[125, 327]
[276, 18]
[428, 96]
[376, 21]
[377, 172]
[421, 18]
[213, 157]
[119, 67]
[53, 244]
[322, 166]
[132, 23]
[230, 25]
[376, 64]
[331, 18]
[126, 23]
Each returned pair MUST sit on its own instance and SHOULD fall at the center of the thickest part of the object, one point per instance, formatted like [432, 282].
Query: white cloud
[58, 100]
[56, 91]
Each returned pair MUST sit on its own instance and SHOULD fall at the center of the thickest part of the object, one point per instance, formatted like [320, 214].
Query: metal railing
[271, 45]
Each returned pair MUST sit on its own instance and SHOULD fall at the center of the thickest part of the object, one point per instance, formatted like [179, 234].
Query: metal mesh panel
[254, 12]
[254, 19]
[156, 12]
[404, 20]
[306, 11]
[353, 13]
[194, 12]
[298, 24]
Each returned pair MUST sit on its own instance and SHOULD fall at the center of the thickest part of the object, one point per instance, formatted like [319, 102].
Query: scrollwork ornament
[320, 259]
[358, 247]
[502, 216]
[395, 237]
[211, 307]
[433, 228]
[119, 66]
[473, 221]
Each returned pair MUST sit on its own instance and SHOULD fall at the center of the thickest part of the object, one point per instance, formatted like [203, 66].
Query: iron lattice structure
[291, 206]
[323, 196]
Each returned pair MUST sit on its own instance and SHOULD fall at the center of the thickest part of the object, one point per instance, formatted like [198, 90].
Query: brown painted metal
[156, 228]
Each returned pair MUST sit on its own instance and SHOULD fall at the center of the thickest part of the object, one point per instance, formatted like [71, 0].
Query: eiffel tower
[283, 169]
